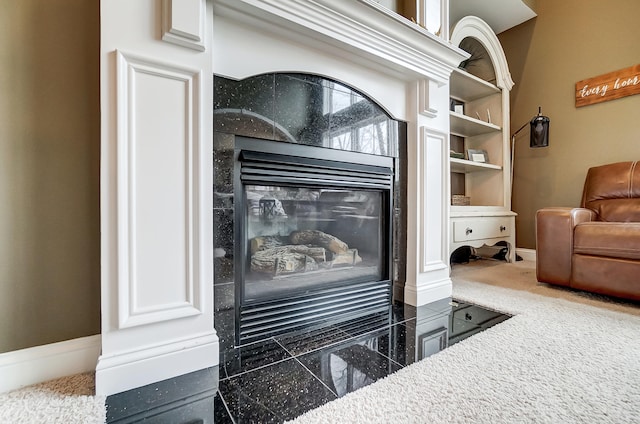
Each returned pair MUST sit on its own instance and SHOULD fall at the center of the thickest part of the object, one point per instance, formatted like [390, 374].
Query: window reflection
[299, 237]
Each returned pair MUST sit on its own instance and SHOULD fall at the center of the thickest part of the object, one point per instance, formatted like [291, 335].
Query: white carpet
[556, 361]
[66, 400]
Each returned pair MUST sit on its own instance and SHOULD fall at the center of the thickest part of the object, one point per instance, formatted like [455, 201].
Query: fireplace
[307, 206]
[160, 221]
[313, 235]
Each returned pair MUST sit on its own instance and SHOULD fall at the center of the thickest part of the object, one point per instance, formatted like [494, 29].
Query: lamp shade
[539, 133]
[539, 136]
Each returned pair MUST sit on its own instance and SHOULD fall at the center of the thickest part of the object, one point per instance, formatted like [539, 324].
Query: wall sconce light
[538, 136]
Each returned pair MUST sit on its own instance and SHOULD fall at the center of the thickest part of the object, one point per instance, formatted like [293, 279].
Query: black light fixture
[538, 136]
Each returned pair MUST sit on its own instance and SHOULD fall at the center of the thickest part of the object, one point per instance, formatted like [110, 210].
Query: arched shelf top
[472, 26]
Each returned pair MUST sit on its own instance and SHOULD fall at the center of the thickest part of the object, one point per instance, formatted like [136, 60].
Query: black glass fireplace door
[313, 235]
[300, 239]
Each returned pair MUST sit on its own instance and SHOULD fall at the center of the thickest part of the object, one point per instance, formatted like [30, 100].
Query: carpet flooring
[560, 359]
[522, 276]
[67, 400]
[565, 357]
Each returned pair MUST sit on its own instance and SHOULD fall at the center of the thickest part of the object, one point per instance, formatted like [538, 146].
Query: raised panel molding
[184, 23]
[426, 105]
[433, 213]
[158, 118]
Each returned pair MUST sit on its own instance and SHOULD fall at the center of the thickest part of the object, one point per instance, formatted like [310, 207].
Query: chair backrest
[613, 192]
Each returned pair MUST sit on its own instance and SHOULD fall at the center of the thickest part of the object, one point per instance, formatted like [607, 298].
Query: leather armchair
[595, 247]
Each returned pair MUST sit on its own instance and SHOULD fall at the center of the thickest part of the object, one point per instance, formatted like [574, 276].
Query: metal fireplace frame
[267, 162]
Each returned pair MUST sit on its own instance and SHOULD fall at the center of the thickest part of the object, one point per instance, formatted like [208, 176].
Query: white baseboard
[525, 254]
[128, 370]
[528, 255]
[33, 365]
[427, 293]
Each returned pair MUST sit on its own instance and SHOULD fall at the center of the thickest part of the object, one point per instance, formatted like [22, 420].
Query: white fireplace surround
[157, 62]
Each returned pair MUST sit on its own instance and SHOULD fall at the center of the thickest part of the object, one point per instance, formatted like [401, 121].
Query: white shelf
[478, 211]
[465, 126]
[487, 185]
[466, 87]
[467, 166]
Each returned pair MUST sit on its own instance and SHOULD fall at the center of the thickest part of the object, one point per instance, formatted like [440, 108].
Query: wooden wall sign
[614, 85]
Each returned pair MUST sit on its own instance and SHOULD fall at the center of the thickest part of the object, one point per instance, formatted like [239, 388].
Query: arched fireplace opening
[308, 205]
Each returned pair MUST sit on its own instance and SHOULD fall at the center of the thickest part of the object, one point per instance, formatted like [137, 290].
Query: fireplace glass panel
[300, 239]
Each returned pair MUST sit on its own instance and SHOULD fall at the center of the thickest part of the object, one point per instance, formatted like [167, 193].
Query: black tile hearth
[276, 393]
[353, 364]
[186, 398]
[246, 358]
[282, 377]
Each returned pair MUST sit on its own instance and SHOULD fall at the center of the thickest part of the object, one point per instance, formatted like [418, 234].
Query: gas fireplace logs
[301, 251]
[318, 238]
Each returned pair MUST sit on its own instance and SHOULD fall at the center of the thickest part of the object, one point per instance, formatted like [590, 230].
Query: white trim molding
[156, 202]
[184, 23]
[422, 294]
[34, 365]
[528, 255]
[428, 276]
[472, 26]
[150, 364]
[434, 216]
[134, 146]
[427, 107]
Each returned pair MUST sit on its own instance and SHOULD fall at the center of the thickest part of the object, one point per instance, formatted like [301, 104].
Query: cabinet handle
[502, 228]
[468, 231]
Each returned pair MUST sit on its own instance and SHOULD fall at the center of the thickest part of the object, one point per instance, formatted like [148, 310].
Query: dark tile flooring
[282, 377]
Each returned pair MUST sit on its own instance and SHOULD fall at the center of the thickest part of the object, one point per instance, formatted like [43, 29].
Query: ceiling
[499, 14]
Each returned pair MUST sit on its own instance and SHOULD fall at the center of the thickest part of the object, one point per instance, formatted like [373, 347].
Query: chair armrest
[554, 242]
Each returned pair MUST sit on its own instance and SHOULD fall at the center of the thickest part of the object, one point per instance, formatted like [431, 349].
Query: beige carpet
[522, 276]
[68, 400]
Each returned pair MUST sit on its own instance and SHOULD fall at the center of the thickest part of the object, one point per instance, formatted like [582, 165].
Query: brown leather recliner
[595, 247]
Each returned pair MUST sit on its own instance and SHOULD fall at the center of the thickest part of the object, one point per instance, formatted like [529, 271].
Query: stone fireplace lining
[346, 145]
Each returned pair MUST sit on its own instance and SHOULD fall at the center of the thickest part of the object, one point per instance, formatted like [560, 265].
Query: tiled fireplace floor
[285, 376]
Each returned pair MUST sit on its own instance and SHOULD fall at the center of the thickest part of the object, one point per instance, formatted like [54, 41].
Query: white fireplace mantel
[352, 29]
[157, 59]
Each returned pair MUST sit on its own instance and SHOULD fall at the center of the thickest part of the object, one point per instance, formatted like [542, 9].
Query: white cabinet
[479, 132]
[467, 229]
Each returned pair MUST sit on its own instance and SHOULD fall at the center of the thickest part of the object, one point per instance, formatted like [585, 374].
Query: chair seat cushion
[609, 239]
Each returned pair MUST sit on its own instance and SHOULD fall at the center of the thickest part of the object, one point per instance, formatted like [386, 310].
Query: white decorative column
[428, 193]
[156, 192]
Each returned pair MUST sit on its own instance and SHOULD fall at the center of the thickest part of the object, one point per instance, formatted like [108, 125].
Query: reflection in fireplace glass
[300, 239]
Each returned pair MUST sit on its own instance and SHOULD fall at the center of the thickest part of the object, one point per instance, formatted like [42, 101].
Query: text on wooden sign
[614, 85]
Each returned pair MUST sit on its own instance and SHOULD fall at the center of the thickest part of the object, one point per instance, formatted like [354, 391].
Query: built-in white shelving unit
[481, 125]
